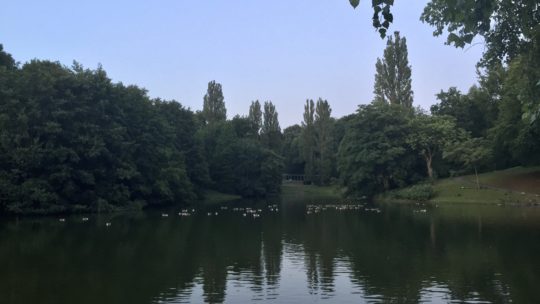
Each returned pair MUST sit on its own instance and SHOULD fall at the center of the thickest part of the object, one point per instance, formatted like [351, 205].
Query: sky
[285, 51]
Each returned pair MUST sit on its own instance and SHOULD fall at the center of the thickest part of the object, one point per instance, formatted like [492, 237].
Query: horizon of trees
[72, 140]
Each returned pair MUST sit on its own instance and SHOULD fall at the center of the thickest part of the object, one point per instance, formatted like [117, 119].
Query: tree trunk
[428, 157]
[386, 183]
[477, 181]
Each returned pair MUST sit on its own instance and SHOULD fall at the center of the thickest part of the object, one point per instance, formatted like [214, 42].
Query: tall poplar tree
[271, 131]
[393, 74]
[255, 116]
[323, 141]
[308, 140]
[214, 106]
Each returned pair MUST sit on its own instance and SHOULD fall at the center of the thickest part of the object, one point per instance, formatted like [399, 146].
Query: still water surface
[401, 254]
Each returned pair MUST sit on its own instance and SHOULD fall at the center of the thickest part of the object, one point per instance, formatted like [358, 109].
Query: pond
[287, 253]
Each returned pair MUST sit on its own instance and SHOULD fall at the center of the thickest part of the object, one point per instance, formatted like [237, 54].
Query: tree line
[390, 144]
[495, 125]
[71, 140]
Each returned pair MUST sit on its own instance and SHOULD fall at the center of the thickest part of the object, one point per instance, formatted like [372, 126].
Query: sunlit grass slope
[517, 185]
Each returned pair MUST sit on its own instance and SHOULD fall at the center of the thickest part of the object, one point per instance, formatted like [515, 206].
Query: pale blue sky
[280, 50]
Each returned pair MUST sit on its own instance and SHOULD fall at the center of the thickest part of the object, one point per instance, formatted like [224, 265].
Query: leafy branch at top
[382, 17]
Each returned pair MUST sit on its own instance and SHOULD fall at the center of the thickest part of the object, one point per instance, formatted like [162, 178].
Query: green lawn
[295, 192]
[519, 185]
[459, 191]
[216, 198]
[512, 186]
[522, 179]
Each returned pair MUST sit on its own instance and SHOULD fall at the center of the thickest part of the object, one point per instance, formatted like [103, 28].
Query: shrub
[419, 192]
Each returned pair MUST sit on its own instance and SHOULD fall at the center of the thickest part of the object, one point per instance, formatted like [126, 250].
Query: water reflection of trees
[395, 255]
[135, 260]
[398, 255]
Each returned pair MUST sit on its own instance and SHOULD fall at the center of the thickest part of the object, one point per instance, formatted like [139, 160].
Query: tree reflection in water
[453, 253]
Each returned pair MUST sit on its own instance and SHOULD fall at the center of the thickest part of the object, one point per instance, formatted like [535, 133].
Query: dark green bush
[420, 192]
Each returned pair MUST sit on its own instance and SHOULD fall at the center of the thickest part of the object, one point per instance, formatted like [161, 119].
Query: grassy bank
[290, 193]
[295, 192]
[517, 185]
[215, 198]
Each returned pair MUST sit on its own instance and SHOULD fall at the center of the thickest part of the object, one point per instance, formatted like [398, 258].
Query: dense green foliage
[507, 26]
[495, 125]
[315, 142]
[469, 154]
[474, 112]
[71, 140]
[510, 31]
[431, 135]
[238, 162]
[292, 150]
[374, 155]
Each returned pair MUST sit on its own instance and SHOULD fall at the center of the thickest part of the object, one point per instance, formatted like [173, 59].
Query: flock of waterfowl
[83, 219]
[249, 212]
[246, 211]
[315, 209]
[318, 208]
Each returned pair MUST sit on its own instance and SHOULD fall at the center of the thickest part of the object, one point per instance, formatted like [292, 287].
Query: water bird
[374, 210]
[108, 224]
[84, 219]
[62, 220]
[164, 215]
